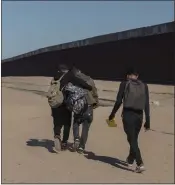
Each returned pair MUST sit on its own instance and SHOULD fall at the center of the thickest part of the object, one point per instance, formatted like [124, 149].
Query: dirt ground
[28, 154]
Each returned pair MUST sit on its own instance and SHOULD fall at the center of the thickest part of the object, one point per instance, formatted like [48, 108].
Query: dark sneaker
[64, 146]
[80, 150]
[57, 142]
[76, 144]
[140, 169]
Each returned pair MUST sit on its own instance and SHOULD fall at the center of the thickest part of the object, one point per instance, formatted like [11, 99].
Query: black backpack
[134, 95]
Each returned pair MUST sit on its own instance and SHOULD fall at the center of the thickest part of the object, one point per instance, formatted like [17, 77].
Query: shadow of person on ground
[162, 132]
[109, 160]
[46, 143]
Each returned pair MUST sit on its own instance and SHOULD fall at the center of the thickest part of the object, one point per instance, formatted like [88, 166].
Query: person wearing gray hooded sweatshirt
[135, 98]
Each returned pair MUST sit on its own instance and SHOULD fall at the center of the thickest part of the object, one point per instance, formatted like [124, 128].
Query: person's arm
[147, 108]
[118, 100]
[71, 77]
[81, 83]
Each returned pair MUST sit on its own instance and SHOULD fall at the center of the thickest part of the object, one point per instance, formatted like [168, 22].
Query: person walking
[90, 101]
[134, 95]
[85, 119]
[61, 115]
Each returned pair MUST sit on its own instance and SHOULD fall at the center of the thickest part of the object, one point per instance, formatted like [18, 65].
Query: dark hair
[132, 71]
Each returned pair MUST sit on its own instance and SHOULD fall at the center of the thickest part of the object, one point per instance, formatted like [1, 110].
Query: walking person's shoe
[76, 144]
[140, 169]
[80, 150]
[64, 146]
[129, 163]
[57, 142]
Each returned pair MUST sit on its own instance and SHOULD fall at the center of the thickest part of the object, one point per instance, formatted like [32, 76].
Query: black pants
[86, 120]
[132, 123]
[62, 117]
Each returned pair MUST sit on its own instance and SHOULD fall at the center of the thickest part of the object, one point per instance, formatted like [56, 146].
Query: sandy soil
[27, 139]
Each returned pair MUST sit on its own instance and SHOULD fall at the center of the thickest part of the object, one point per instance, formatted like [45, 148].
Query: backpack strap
[60, 80]
[127, 84]
[56, 81]
[61, 77]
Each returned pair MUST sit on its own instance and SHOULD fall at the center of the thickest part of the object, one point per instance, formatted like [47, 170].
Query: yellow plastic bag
[111, 123]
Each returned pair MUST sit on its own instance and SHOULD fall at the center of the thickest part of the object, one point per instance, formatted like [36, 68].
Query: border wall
[106, 57]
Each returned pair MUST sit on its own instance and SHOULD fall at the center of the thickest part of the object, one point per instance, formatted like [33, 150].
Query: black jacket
[119, 101]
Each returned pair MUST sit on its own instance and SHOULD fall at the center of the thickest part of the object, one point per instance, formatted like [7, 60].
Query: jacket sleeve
[147, 107]
[81, 83]
[71, 77]
[119, 99]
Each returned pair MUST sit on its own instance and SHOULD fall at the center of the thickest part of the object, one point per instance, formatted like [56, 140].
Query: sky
[30, 25]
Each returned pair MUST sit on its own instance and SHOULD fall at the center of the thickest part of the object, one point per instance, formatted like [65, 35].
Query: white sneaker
[80, 150]
[140, 169]
[57, 143]
[129, 164]
[76, 144]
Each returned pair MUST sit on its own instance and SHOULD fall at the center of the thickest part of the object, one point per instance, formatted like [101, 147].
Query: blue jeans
[85, 119]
